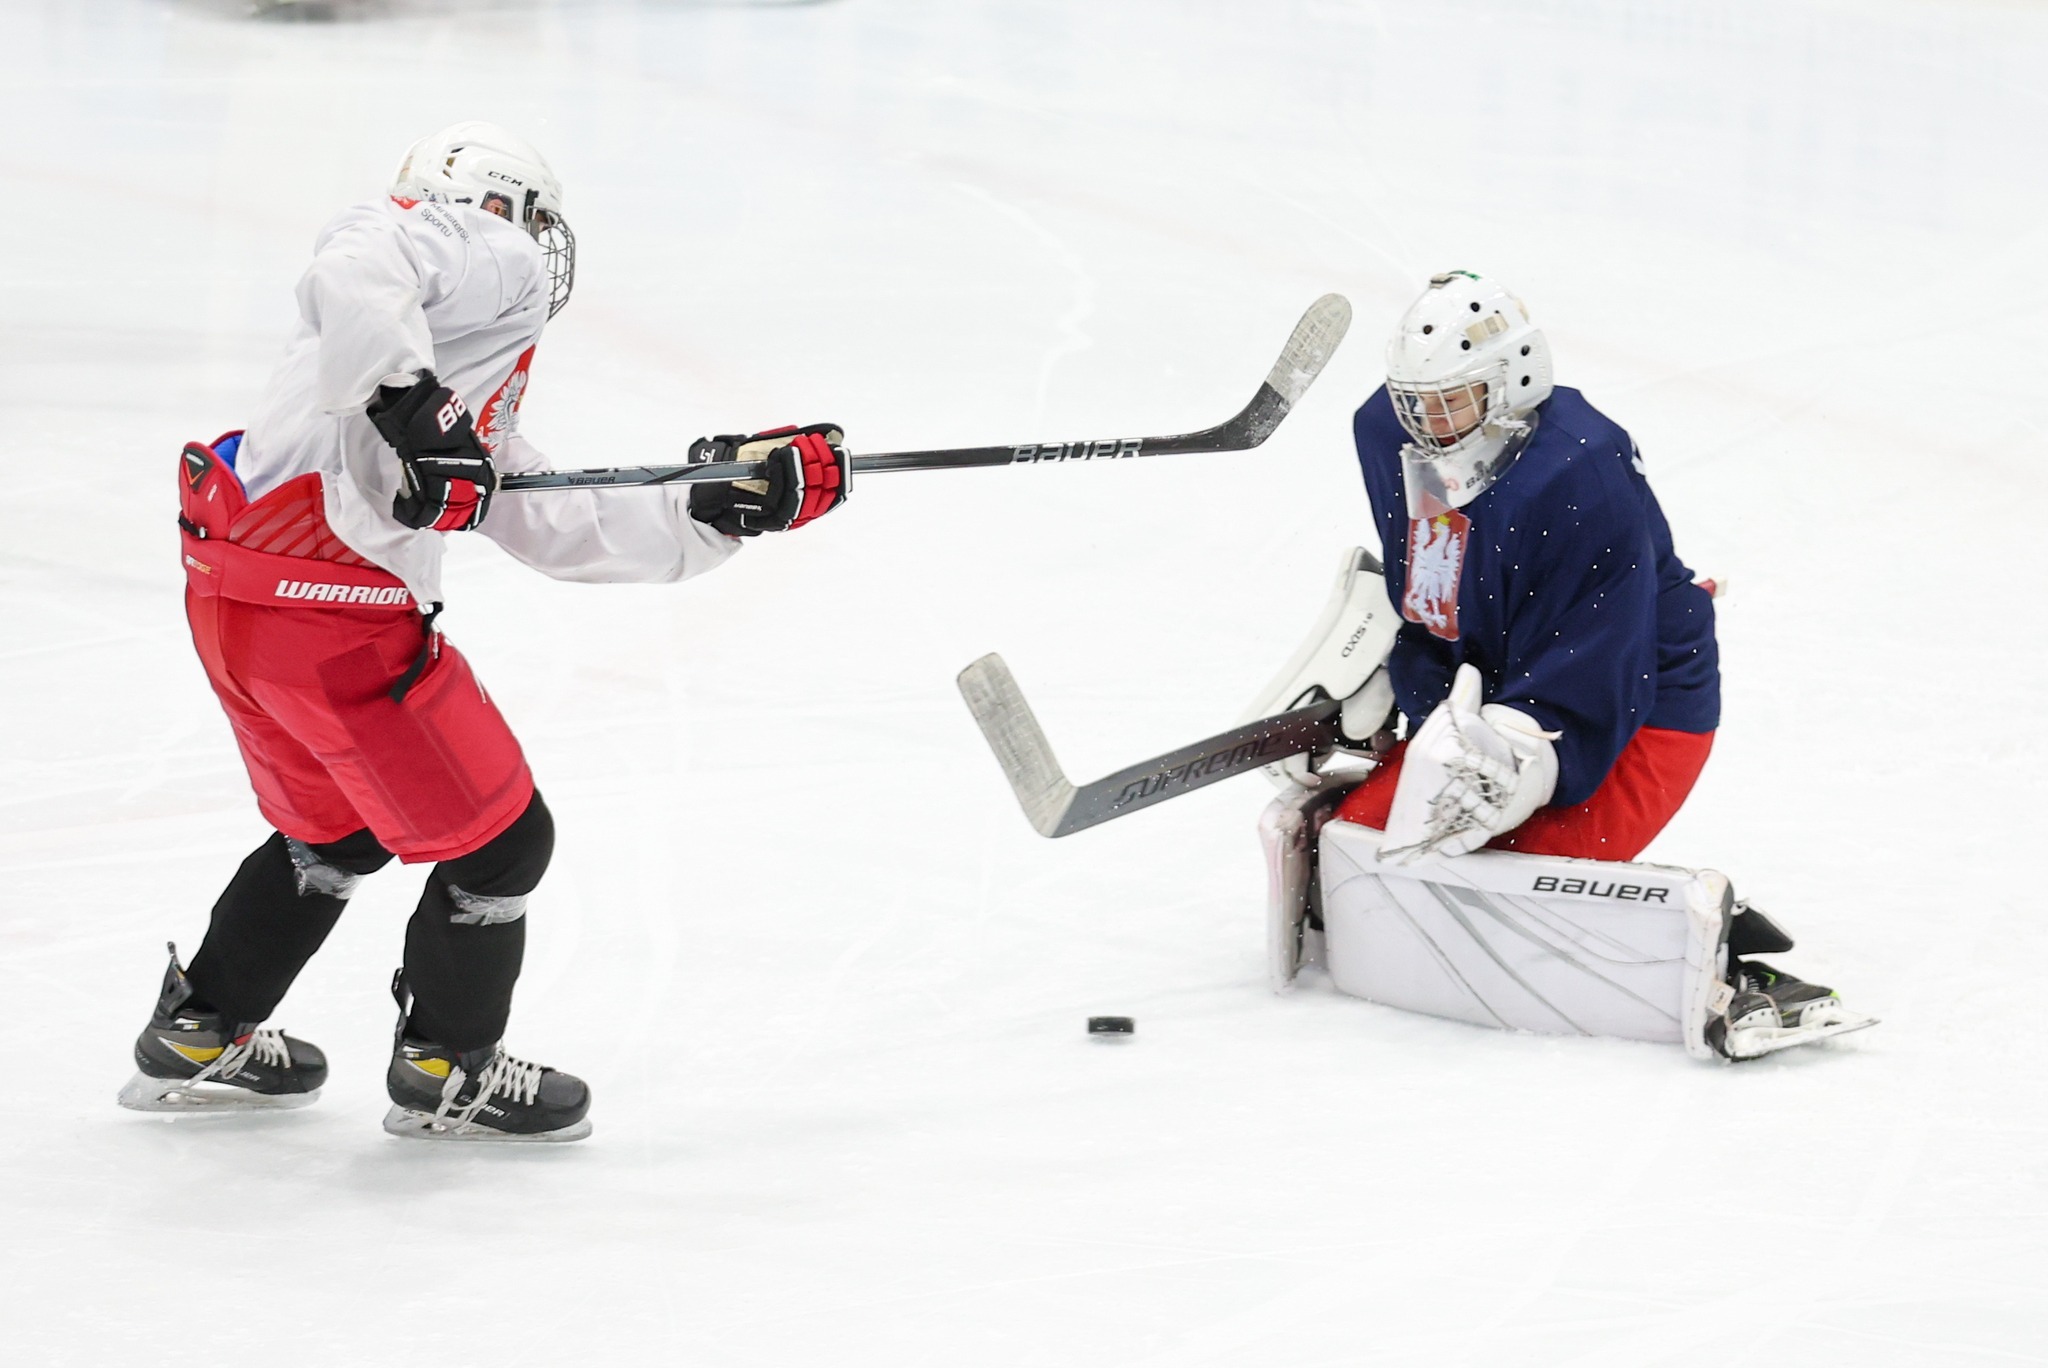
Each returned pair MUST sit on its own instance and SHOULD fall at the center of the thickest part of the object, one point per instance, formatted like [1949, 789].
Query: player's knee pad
[334, 868]
[489, 885]
[1528, 942]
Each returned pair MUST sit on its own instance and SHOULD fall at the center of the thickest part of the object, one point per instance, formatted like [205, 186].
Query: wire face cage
[1439, 417]
[558, 250]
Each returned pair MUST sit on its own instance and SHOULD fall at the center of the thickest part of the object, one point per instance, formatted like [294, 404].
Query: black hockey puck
[1114, 1027]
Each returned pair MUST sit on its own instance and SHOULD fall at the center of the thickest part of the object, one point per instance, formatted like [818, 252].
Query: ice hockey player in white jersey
[312, 552]
[1558, 670]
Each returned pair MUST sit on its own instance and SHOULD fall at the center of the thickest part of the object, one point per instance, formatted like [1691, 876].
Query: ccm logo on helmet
[341, 593]
[1590, 888]
[450, 414]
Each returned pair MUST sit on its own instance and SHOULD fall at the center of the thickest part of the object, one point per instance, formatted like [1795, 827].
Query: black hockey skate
[442, 1094]
[192, 1061]
[486, 1094]
[1770, 1011]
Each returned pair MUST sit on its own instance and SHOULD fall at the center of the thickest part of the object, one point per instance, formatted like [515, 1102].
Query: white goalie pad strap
[1287, 831]
[1340, 658]
[1527, 942]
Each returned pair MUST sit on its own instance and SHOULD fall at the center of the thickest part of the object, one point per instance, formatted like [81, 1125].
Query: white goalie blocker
[1518, 942]
[1342, 658]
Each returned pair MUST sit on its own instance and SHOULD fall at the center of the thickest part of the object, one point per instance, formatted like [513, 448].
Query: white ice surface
[828, 986]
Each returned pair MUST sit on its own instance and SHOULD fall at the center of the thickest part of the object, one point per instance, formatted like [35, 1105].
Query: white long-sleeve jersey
[397, 287]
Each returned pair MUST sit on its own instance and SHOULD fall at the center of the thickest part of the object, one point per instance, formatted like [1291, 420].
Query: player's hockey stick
[1308, 350]
[1056, 807]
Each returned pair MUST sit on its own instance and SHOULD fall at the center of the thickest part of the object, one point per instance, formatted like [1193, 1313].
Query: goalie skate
[1772, 1011]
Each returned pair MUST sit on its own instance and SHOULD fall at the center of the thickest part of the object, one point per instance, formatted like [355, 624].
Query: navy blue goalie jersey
[1559, 583]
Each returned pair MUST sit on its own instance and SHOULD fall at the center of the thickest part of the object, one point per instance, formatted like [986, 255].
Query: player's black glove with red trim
[445, 475]
[808, 477]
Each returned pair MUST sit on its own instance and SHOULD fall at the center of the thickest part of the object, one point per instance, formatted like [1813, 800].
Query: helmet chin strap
[1439, 481]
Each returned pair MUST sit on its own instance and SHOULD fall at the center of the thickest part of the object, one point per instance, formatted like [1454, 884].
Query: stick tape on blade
[1055, 807]
[1018, 741]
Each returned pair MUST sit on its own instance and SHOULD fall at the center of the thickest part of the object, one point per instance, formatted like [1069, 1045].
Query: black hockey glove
[445, 475]
[807, 478]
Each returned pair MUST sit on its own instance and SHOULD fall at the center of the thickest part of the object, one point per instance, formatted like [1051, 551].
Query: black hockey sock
[466, 940]
[273, 915]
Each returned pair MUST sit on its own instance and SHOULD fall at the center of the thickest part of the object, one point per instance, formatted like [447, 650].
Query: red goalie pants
[1648, 784]
[329, 752]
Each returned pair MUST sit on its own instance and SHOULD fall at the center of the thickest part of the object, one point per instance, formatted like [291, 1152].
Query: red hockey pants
[1648, 784]
[329, 752]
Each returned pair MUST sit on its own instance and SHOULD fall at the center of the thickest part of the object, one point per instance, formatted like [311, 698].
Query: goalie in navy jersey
[1524, 548]
[1556, 665]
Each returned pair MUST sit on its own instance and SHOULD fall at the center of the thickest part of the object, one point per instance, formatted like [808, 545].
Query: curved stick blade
[1018, 741]
[1310, 348]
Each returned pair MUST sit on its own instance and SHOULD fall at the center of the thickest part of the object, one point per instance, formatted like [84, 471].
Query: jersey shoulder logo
[501, 411]
[1436, 563]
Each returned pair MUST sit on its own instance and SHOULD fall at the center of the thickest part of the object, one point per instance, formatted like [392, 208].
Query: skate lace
[517, 1080]
[263, 1047]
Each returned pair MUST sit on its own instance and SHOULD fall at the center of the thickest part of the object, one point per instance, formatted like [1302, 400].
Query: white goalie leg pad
[1287, 831]
[1528, 942]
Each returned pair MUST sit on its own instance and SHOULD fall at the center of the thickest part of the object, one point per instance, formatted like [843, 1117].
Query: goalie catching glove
[445, 476]
[1472, 773]
[808, 475]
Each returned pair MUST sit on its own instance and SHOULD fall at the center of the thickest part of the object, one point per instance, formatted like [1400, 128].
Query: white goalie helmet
[482, 164]
[1465, 369]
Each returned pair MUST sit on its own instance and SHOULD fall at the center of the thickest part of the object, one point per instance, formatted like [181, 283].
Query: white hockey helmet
[482, 164]
[1465, 369]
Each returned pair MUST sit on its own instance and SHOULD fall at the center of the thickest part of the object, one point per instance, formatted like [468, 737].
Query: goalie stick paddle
[1056, 807]
[1308, 350]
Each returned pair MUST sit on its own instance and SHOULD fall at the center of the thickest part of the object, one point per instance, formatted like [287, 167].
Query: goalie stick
[1056, 807]
[1308, 350]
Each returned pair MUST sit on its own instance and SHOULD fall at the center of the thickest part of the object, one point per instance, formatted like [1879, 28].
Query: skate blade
[1759, 1041]
[174, 1096]
[418, 1125]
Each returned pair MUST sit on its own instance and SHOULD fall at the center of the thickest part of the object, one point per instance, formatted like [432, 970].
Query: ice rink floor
[827, 985]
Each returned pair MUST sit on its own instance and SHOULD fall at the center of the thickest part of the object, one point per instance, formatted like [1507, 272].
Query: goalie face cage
[1440, 418]
[1463, 436]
